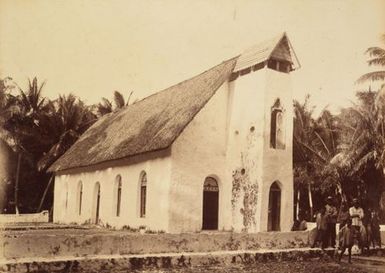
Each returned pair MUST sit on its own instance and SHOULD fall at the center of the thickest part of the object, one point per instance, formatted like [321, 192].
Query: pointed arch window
[143, 193]
[66, 196]
[118, 194]
[277, 129]
[80, 197]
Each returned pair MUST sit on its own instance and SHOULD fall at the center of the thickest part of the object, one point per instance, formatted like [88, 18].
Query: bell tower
[260, 137]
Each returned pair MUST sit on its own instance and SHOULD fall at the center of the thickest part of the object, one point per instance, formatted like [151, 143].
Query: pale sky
[91, 48]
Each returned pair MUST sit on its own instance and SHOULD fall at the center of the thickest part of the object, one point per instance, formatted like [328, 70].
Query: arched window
[277, 133]
[143, 192]
[80, 197]
[66, 196]
[118, 194]
[96, 204]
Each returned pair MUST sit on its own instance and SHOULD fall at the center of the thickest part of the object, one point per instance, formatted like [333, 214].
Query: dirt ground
[275, 267]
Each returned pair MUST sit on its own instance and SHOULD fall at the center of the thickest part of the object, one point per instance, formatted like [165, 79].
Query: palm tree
[106, 106]
[314, 145]
[363, 145]
[68, 118]
[23, 121]
[377, 58]
[8, 107]
[20, 124]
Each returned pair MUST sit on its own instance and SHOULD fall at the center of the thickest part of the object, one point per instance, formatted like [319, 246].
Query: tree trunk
[44, 194]
[310, 202]
[298, 200]
[17, 183]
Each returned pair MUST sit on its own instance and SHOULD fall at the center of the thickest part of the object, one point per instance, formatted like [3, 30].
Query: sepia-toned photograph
[216, 136]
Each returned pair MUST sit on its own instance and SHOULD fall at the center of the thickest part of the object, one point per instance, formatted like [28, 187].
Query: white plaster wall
[200, 151]
[244, 151]
[218, 142]
[278, 163]
[157, 204]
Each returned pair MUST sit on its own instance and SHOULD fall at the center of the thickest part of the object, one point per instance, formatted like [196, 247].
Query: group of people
[355, 227]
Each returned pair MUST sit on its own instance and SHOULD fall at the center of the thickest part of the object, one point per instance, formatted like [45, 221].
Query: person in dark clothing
[343, 215]
[375, 237]
[331, 218]
[302, 223]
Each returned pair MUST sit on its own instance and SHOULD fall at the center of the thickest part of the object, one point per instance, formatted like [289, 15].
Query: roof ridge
[150, 124]
[186, 80]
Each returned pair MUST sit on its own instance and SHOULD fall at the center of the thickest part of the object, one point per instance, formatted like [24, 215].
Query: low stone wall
[51, 243]
[174, 262]
[41, 217]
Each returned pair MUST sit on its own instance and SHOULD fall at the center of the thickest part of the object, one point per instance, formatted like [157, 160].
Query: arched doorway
[274, 213]
[96, 206]
[210, 204]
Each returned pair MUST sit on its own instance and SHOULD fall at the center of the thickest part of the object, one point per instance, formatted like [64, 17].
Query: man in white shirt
[356, 213]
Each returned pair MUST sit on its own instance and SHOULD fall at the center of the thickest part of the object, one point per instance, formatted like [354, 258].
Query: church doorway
[274, 213]
[210, 204]
[96, 206]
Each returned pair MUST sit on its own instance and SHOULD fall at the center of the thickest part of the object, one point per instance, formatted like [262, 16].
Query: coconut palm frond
[376, 51]
[377, 61]
[119, 100]
[372, 76]
[129, 98]
[104, 107]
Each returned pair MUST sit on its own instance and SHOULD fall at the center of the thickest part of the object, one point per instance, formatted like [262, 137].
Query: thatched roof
[154, 123]
[147, 125]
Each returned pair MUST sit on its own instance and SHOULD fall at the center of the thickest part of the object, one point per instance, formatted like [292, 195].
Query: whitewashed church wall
[197, 153]
[245, 145]
[278, 163]
[157, 199]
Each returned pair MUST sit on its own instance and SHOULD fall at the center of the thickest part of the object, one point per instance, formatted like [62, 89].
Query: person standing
[321, 229]
[302, 223]
[347, 240]
[356, 213]
[343, 215]
[331, 218]
[375, 229]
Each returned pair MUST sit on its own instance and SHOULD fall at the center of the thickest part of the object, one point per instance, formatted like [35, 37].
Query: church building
[213, 152]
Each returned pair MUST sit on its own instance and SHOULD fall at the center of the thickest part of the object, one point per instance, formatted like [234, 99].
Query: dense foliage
[39, 131]
[343, 155]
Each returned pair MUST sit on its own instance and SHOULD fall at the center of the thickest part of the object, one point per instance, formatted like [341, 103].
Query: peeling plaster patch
[236, 189]
[242, 184]
[245, 184]
[249, 205]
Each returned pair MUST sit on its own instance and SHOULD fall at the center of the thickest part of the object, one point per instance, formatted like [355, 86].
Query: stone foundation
[80, 243]
[165, 261]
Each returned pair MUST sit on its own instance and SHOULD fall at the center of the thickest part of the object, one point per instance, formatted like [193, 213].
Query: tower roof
[278, 48]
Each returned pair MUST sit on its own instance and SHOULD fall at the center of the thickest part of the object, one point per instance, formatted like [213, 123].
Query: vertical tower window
[143, 192]
[80, 197]
[66, 196]
[277, 132]
[118, 192]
